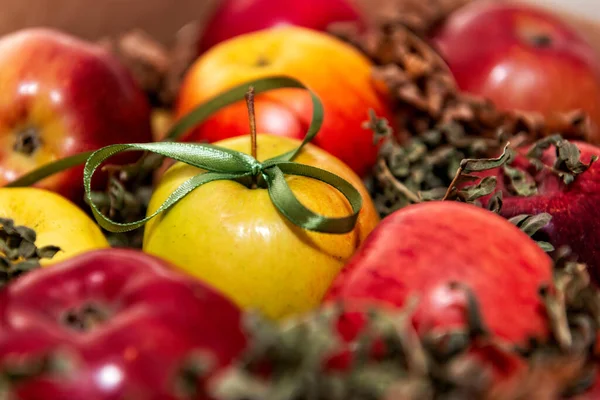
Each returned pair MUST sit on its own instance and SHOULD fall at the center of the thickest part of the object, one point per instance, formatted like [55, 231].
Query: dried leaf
[485, 187]
[518, 219]
[519, 182]
[28, 265]
[26, 233]
[18, 252]
[568, 164]
[8, 225]
[547, 247]
[539, 165]
[465, 178]
[537, 149]
[194, 368]
[379, 126]
[48, 251]
[26, 249]
[495, 202]
[480, 165]
[533, 223]
[444, 347]
[567, 178]
[475, 320]
[570, 156]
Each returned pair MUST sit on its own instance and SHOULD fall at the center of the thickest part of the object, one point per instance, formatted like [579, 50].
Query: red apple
[126, 325]
[236, 17]
[335, 71]
[575, 222]
[439, 252]
[59, 96]
[522, 58]
[446, 242]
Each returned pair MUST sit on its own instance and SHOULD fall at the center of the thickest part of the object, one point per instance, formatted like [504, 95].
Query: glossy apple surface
[123, 322]
[521, 57]
[59, 96]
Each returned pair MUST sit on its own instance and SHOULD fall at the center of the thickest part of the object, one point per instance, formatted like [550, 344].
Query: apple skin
[491, 50]
[235, 239]
[444, 242]
[573, 207]
[339, 74]
[56, 221]
[63, 96]
[422, 250]
[236, 17]
[150, 319]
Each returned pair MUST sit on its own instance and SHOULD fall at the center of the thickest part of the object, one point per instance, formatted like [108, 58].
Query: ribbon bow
[223, 164]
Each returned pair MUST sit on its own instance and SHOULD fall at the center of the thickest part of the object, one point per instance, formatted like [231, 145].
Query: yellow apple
[56, 221]
[234, 238]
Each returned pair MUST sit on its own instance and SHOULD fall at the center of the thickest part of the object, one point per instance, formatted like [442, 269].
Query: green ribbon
[223, 164]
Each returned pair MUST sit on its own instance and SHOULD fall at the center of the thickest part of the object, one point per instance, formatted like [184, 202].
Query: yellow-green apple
[234, 238]
[236, 17]
[60, 95]
[339, 74]
[522, 57]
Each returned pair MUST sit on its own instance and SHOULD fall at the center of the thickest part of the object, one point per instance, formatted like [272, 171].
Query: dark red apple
[523, 58]
[124, 324]
[236, 17]
[60, 95]
[573, 206]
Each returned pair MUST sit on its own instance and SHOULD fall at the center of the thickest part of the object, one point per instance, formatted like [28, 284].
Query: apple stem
[252, 118]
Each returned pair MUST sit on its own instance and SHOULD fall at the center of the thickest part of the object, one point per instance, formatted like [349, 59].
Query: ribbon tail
[227, 165]
[50, 169]
[205, 110]
[288, 204]
[183, 190]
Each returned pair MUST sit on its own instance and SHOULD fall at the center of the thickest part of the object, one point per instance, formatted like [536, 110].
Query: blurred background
[162, 18]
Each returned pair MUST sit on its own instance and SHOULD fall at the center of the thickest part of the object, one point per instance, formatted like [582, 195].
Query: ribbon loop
[286, 202]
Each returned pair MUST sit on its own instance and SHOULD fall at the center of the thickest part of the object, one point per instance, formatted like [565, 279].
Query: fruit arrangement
[313, 200]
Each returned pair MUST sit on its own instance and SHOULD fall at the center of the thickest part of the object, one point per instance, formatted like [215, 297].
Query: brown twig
[389, 177]
[459, 172]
